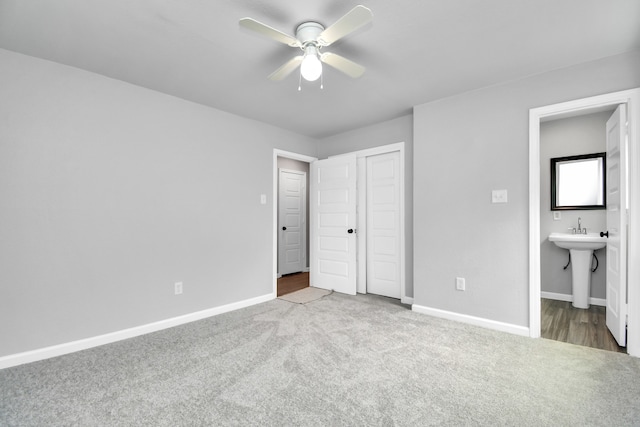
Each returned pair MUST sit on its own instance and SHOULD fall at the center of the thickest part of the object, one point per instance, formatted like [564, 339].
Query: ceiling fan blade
[267, 31]
[354, 19]
[340, 63]
[286, 68]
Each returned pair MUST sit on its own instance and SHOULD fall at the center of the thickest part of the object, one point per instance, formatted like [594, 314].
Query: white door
[333, 219]
[616, 312]
[291, 221]
[383, 224]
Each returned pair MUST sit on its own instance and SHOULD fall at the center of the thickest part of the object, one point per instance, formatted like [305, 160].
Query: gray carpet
[339, 360]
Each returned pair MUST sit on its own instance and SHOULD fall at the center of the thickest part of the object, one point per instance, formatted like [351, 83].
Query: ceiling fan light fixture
[312, 36]
[311, 67]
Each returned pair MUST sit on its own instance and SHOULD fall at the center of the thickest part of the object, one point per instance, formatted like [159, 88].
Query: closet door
[333, 224]
[383, 224]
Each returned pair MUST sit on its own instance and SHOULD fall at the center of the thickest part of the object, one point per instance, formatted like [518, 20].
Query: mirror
[578, 182]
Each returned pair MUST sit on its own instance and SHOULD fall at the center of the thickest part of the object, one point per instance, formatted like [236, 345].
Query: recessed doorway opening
[291, 221]
[629, 296]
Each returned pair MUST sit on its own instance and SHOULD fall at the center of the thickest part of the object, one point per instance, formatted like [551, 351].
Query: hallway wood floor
[560, 321]
[292, 282]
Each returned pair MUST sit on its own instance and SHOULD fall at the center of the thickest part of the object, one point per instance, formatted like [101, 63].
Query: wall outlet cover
[460, 283]
[499, 196]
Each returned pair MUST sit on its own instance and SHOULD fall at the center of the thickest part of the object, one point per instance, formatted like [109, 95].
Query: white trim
[361, 213]
[569, 298]
[472, 320]
[84, 344]
[536, 115]
[382, 149]
[556, 296]
[534, 226]
[274, 226]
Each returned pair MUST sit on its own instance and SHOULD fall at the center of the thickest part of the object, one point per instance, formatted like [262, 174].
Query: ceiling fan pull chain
[300, 82]
[322, 81]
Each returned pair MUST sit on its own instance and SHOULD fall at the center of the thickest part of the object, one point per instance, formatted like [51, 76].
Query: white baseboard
[407, 300]
[566, 297]
[71, 347]
[472, 320]
[555, 296]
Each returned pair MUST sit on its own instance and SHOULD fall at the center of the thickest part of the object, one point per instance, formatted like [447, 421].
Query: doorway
[361, 228]
[291, 221]
[576, 137]
[631, 99]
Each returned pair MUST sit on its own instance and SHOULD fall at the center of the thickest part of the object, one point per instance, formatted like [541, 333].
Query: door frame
[274, 226]
[567, 109]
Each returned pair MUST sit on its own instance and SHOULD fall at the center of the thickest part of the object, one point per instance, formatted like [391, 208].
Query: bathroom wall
[558, 138]
[296, 165]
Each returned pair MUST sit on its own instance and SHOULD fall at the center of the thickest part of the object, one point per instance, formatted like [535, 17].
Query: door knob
[284, 228]
[603, 234]
[350, 230]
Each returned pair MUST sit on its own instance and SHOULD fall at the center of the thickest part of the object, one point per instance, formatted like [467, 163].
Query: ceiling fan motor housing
[308, 32]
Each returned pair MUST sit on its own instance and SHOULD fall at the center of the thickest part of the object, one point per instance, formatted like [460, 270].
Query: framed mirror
[578, 182]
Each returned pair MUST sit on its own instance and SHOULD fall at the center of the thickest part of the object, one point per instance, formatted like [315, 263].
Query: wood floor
[292, 282]
[562, 322]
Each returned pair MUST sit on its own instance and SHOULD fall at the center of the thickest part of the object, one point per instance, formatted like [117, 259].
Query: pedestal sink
[581, 247]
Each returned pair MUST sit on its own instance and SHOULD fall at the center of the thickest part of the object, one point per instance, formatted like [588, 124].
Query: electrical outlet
[499, 196]
[460, 283]
[178, 288]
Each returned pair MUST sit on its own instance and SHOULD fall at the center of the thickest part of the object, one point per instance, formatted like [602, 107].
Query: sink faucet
[579, 226]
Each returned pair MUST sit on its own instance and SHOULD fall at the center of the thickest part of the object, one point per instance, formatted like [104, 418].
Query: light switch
[499, 196]
[557, 216]
[263, 199]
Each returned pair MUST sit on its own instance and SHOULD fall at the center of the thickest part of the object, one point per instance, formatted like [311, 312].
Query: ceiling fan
[311, 37]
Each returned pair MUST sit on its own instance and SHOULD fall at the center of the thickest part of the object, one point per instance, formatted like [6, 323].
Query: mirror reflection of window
[580, 183]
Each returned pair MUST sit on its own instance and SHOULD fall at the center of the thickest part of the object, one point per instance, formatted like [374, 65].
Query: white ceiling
[415, 51]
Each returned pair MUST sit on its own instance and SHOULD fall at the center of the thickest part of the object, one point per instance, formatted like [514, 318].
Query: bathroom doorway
[598, 104]
[564, 140]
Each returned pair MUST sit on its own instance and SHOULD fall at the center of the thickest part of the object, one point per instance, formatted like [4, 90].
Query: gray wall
[388, 132]
[110, 193]
[558, 138]
[467, 145]
[296, 165]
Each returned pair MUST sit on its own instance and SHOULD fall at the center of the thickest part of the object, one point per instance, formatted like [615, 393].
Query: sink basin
[581, 247]
[585, 242]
